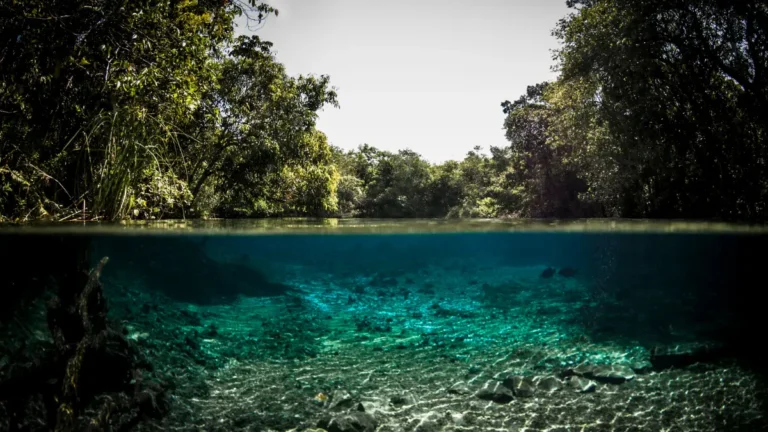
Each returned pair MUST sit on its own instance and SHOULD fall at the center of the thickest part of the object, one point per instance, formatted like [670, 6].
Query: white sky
[427, 75]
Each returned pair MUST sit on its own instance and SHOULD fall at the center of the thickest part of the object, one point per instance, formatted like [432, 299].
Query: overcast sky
[427, 75]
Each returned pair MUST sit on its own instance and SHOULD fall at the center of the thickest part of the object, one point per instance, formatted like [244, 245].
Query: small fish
[321, 398]
[567, 272]
[548, 273]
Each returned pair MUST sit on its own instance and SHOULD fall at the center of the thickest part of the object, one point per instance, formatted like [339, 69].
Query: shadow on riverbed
[181, 269]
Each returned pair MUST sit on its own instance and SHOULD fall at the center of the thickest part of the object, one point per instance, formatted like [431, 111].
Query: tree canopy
[112, 109]
[116, 109]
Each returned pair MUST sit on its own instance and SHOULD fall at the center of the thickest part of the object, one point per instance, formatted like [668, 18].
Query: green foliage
[143, 109]
[378, 183]
[350, 193]
[125, 166]
[663, 101]
[112, 109]
[256, 135]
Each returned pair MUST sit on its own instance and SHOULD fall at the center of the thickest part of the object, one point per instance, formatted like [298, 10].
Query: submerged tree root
[90, 379]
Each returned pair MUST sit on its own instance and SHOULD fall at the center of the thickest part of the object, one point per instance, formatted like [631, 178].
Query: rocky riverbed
[434, 350]
[440, 349]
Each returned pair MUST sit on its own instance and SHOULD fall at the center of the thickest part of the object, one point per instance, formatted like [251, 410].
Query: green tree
[143, 109]
[538, 177]
[67, 68]
[678, 91]
[255, 133]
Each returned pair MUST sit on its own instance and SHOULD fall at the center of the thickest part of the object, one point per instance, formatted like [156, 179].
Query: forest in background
[114, 109]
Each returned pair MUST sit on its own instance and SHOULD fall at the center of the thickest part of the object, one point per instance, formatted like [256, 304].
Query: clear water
[387, 326]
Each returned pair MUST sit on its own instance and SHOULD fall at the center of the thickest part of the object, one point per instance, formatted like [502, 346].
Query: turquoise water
[383, 325]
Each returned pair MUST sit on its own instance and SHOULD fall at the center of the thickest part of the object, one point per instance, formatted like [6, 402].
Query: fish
[567, 272]
[548, 273]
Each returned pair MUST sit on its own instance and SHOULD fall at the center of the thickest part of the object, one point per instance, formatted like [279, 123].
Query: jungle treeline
[113, 109]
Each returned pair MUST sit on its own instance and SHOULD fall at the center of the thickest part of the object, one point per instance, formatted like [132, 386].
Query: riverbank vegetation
[112, 109]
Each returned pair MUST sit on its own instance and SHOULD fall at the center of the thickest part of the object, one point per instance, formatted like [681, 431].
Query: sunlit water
[400, 326]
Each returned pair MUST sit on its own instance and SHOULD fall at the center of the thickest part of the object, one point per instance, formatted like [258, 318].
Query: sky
[426, 75]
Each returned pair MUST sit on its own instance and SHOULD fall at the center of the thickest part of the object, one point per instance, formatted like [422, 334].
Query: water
[383, 325]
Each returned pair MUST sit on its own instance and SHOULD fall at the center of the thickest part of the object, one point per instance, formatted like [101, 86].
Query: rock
[642, 367]
[547, 383]
[460, 388]
[341, 399]
[498, 393]
[520, 386]
[580, 370]
[612, 374]
[548, 273]
[354, 422]
[567, 272]
[685, 355]
[581, 385]
[400, 400]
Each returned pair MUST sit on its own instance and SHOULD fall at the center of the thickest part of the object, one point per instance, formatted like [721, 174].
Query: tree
[677, 92]
[66, 67]
[255, 133]
[538, 178]
[143, 109]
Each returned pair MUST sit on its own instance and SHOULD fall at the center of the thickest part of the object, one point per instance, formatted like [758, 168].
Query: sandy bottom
[415, 353]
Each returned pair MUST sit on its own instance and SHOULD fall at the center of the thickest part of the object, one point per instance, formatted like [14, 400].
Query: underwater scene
[402, 330]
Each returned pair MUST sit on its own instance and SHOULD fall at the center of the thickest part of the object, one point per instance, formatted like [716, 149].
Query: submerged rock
[612, 374]
[354, 422]
[642, 367]
[547, 383]
[567, 272]
[401, 399]
[548, 273]
[685, 355]
[520, 386]
[581, 385]
[341, 399]
[459, 388]
[499, 394]
[609, 374]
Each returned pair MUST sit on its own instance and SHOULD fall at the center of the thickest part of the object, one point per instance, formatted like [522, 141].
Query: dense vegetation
[155, 109]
